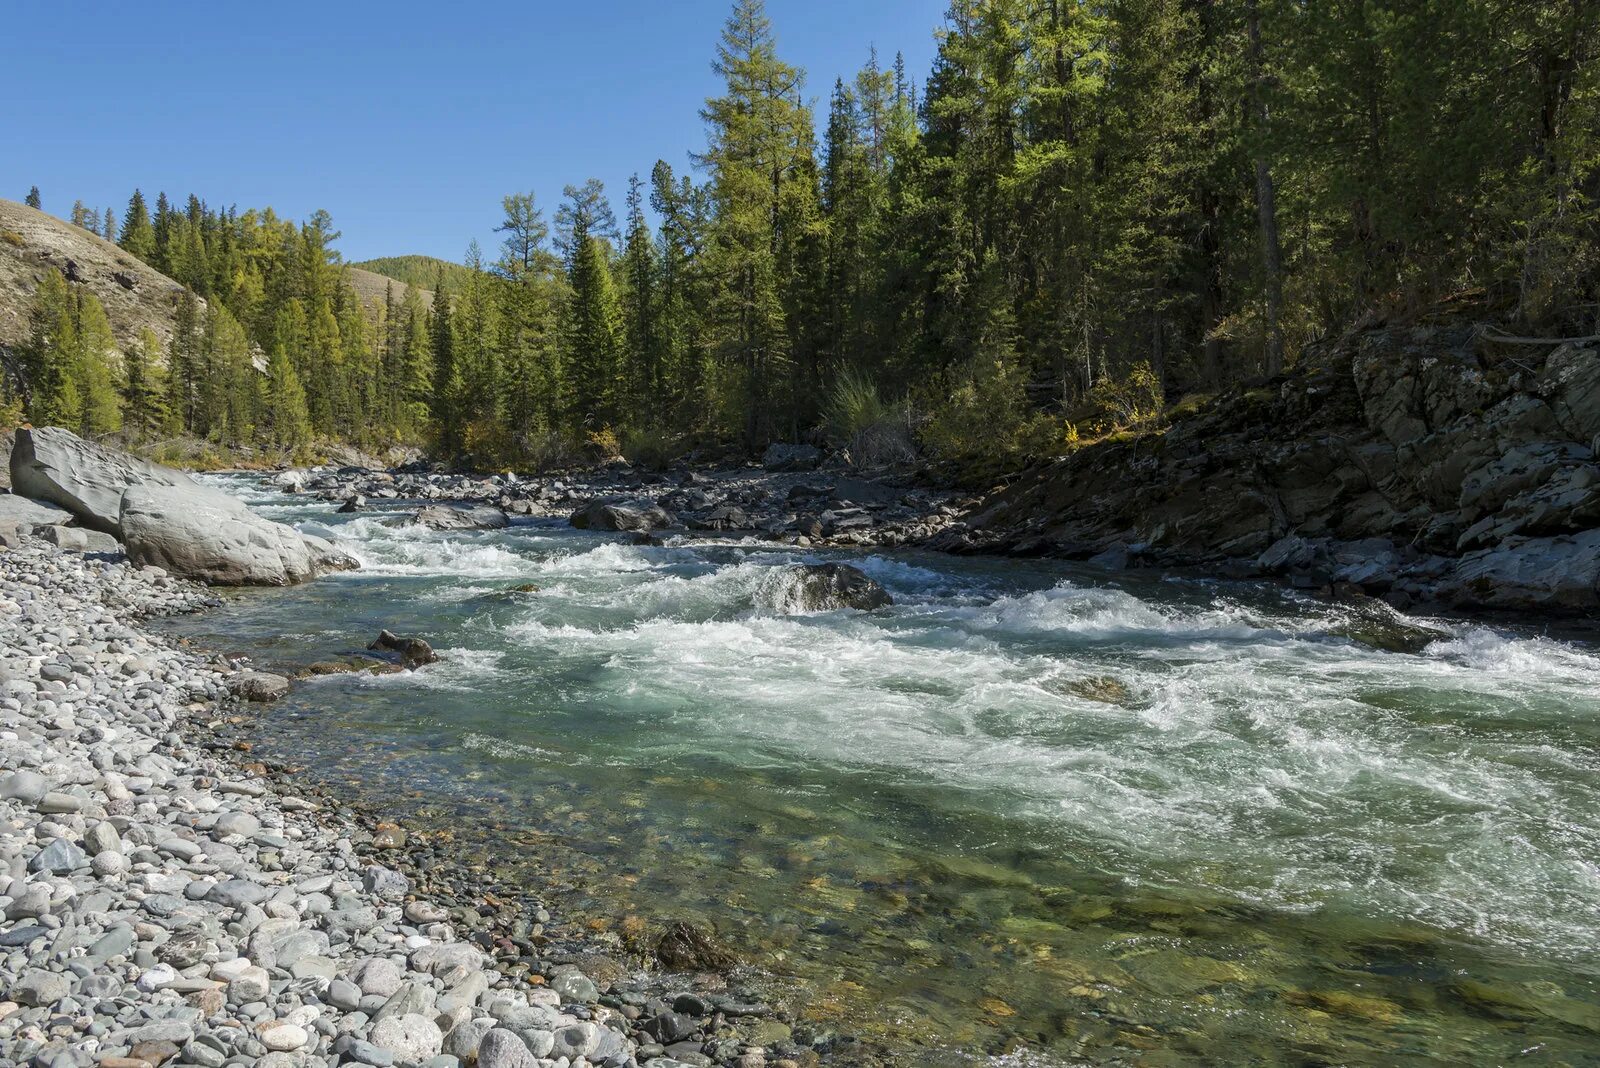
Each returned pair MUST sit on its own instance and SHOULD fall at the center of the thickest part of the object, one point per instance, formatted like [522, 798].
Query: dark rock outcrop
[1418, 462]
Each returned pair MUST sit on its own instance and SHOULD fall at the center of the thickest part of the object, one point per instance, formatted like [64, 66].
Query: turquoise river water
[1031, 815]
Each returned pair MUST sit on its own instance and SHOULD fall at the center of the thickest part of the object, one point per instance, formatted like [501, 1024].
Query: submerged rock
[413, 652]
[477, 517]
[1373, 623]
[688, 948]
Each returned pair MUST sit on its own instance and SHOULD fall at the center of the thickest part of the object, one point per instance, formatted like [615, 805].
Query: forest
[1085, 213]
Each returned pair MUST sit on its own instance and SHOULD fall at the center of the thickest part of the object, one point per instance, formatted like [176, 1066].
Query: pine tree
[138, 236]
[144, 391]
[32, 199]
[593, 334]
[96, 373]
[643, 358]
[287, 422]
[184, 364]
[49, 362]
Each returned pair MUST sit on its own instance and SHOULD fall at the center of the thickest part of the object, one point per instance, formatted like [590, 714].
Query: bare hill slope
[32, 242]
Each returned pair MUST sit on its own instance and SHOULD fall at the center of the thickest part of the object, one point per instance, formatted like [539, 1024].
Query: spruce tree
[138, 236]
[32, 199]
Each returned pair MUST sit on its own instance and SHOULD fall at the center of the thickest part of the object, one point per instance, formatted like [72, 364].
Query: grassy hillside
[32, 242]
[370, 286]
[421, 271]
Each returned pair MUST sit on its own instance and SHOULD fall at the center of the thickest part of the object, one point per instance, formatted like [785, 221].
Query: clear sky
[408, 122]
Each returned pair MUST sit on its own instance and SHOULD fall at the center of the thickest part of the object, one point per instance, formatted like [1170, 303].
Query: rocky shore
[793, 497]
[168, 901]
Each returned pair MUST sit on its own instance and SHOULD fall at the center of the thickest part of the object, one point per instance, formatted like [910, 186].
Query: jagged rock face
[1477, 469]
[213, 538]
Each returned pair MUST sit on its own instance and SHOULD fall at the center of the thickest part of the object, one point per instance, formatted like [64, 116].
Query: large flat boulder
[25, 511]
[212, 537]
[88, 480]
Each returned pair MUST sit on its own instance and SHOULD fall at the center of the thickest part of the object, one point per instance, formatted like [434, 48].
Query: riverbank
[168, 899]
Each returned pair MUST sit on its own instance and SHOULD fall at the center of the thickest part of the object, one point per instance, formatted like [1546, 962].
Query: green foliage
[32, 199]
[1088, 207]
[422, 272]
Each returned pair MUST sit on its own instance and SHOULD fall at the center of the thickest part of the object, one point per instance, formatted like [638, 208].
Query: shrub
[11, 237]
[875, 432]
[650, 449]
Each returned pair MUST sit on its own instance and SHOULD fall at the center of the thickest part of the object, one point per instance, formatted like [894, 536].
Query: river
[1032, 814]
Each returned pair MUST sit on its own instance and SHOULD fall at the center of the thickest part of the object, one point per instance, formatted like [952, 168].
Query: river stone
[282, 1037]
[687, 948]
[26, 786]
[573, 986]
[413, 652]
[609, 515]
[60, 857]
[411, 1037]
[41, 988]
[497, 1048]
[576, 1040]
[102, 838]
[259, 685]
[236, 893]
[214, 538]
[235, 822]
[379, 975]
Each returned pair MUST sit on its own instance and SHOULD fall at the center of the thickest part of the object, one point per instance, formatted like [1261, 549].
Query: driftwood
[1490, 334]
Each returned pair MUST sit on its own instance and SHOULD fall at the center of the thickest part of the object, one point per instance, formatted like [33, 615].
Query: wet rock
[829, 587]
[413, 652]
[610, 515]
[1377, 625]
[685, 947]
[259, 686]
[448, 517]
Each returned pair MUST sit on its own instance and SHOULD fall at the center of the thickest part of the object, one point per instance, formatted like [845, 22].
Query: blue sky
[407, 122]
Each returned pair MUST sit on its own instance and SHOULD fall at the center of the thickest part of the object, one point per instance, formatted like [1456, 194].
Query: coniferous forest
[1083, 213]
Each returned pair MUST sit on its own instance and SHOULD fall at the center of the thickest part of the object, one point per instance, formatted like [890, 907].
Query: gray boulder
[79, 539]
[25, 511]
[86, 479]
[609, 515]
[1557, 573]
[477, 517]
[202, 534]
[783, 456]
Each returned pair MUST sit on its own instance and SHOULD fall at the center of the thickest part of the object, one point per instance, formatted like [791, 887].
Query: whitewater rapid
[1165, 732]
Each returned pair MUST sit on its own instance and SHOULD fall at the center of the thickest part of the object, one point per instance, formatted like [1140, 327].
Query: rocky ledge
[169, 900]
[1427, 464]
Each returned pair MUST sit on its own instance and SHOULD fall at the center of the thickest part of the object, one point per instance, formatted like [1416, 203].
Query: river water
[1032, 814]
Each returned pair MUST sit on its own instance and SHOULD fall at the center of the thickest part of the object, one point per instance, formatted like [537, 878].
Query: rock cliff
[1431, 463]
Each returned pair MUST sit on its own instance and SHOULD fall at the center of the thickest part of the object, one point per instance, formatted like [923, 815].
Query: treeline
[1085, 208]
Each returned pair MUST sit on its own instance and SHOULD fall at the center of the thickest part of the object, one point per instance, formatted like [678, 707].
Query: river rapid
[1032, 814]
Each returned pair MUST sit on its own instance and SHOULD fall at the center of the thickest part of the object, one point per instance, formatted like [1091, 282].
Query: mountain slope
[371, 286]
[420, 271]
[32, 242]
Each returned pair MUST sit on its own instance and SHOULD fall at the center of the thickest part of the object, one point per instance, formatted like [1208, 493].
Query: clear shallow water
[1104, 818]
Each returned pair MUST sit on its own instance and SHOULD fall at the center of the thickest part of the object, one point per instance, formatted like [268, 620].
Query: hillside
[421, 271]
[32, 242]
[370, 286]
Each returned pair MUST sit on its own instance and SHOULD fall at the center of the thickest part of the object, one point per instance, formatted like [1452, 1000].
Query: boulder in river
[259, 685]
[212, 537]
[413, 652]
[830, 587]
[476, 517]
[609, 515]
